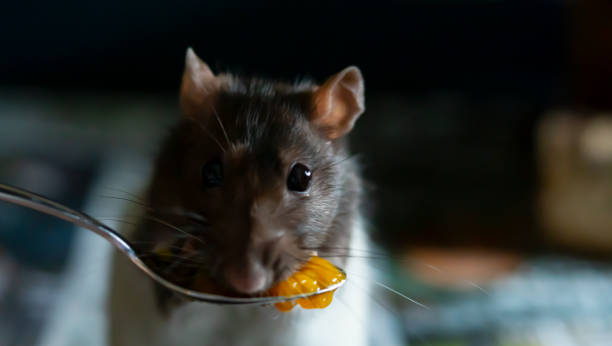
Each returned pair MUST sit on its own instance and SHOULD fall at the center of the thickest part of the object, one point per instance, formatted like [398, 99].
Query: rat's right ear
[338, 103]
[198, 85]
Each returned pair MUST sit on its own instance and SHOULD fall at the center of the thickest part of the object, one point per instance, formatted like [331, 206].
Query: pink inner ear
[338, 103]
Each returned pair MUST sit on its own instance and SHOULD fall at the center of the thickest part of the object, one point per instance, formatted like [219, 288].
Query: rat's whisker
[180, 248]
[335, 163]
[165, 223]
[173, 211]
[182, 230]
[374, 263]
[392, 290]
[139, 203]
[367, 291]
[176, 211]
[131, 195]
[116, 219]
[211, 136]
[334, 255]
[379, 284]
[352, 312]
[383, 257]
[400, 294]
[374, 299]
[221, 125]
[186, 260]
[181, 263]
[345, 249]
[437, 269]
[170, 211]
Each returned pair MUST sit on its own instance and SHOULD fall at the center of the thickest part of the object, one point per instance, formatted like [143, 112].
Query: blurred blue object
[32, 238]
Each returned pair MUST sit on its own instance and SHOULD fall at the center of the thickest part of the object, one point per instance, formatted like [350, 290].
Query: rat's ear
[338, 103]
[198, 85]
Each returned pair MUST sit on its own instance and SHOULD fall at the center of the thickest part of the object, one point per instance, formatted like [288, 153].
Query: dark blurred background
[415, 47]
[487, 127]
[466, 80]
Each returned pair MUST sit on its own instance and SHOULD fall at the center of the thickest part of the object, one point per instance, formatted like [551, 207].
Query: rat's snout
[253, 270]
[247, 277]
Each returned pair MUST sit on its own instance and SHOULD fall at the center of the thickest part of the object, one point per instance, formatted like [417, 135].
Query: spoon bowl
[39, 203]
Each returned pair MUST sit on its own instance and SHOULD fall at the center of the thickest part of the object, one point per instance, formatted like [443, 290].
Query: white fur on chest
[135, 321]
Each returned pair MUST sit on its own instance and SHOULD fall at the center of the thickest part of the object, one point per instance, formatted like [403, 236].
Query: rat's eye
[212, 173]
[299, 178]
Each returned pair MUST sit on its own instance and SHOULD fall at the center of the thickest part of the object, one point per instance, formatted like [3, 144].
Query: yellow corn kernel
[316, 274]
[305, 283]
[284, 289]
[322, 300]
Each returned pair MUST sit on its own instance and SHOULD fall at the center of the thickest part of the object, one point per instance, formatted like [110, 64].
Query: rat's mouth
[187, 272]
[315, 275]
[190, 271]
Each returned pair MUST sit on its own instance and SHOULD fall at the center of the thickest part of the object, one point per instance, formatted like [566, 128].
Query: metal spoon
[34, 201]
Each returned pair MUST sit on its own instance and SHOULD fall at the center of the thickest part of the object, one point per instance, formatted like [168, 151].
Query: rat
[254, 179]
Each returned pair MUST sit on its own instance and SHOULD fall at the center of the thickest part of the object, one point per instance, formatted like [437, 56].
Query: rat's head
[261, 162]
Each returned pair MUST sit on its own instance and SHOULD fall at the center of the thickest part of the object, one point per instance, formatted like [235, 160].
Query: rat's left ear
[338, 103]
[198, 86]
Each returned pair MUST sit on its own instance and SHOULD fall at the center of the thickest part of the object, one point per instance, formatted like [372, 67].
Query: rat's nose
[247, 278]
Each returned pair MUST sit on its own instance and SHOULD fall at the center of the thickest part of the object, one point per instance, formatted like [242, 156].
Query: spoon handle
[44, 205]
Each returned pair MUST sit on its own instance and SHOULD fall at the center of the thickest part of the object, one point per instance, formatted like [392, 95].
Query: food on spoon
[315, 275]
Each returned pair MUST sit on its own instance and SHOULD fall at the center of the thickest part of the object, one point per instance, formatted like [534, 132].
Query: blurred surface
[486, 145]
[575, 157]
